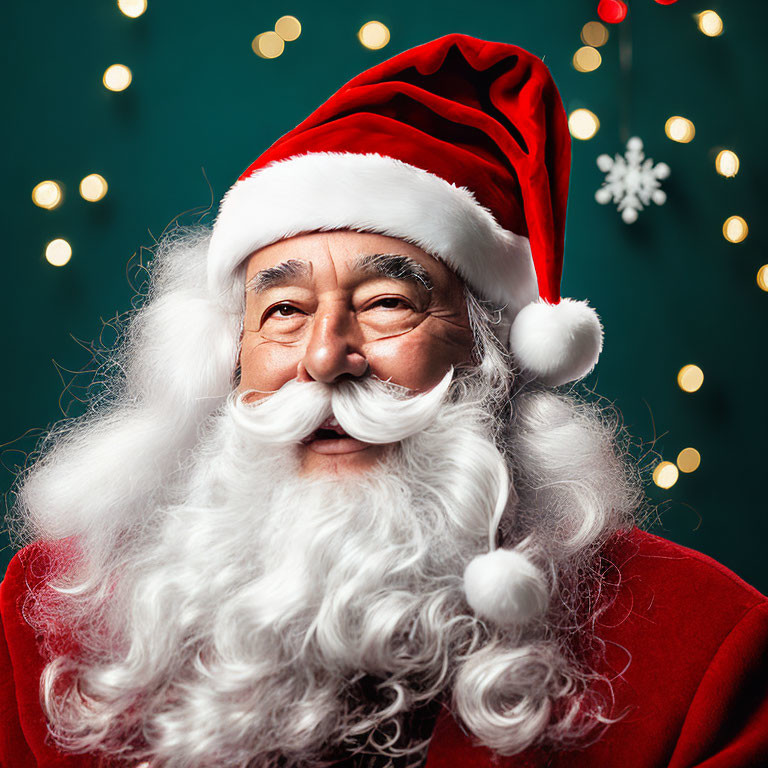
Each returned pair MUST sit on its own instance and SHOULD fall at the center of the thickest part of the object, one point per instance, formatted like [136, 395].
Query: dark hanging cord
[625, 64]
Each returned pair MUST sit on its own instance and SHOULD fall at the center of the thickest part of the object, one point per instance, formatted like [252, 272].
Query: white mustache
[370, 410]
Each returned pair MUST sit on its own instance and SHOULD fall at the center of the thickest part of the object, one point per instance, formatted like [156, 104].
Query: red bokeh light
[611, 11]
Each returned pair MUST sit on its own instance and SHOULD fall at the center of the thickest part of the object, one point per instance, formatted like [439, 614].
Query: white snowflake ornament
[631, 181]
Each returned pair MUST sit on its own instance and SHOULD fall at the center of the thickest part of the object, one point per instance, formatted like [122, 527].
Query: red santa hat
[459, 146]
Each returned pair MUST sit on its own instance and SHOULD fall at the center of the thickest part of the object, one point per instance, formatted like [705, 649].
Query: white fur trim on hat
[322, 191]
[556, 343]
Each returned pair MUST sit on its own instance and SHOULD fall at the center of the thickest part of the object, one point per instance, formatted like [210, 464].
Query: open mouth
[330, 429]
[329, 438]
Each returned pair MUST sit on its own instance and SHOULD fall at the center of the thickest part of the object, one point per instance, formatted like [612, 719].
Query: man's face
[330, 305]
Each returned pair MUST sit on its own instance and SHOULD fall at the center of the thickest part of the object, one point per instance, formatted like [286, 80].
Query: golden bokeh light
[690, 378]
[268, 45]
[373, 35]
[583, 124]
[93, 187]
[680, 129]
[735, 229]
[709, 23]
[727, 163]
[762, 277]
[58, 252]
[47, 194]
[688, 460]
[117, 77]
[594, 33]
[132, 8]
[288, 27]
[587, 59]
[665, 474]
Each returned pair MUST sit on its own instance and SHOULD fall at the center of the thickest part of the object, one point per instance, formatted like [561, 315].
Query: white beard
[195, 653]
[273, 617]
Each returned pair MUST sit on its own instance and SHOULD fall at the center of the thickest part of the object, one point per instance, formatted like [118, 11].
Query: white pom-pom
[556, 343]
[505, 587]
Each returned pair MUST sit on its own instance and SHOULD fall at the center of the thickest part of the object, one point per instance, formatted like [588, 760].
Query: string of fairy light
[49, 194]
[583, 125]
[270, 44]
[93, 187]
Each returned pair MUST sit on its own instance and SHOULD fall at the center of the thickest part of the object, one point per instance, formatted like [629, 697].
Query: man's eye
[391, 302]
[283, 310]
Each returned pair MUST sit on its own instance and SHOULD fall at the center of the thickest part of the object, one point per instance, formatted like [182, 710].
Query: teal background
[202, 106]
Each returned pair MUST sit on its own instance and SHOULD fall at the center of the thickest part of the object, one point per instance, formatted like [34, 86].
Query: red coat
[694, 636]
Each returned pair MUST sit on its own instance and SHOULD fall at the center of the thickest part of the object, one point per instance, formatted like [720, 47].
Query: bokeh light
[665, 474]
[132, 8]
[688, 460]
[762, 277]
[709, 23]
[117, 77]
[587, 59]
[594, 33]
[583, 124]
[690, 378]
[93, 187]
[679, 129]
[612, 11]
[58, 252]
[373, 35]
[288, 27]
[727, 163]
[735, 229]
[47, 194]
[268, 45]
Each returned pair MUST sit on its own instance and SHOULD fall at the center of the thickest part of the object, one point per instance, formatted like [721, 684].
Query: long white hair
[190, 648]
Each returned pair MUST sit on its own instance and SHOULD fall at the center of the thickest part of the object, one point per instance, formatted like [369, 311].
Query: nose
[334, 347]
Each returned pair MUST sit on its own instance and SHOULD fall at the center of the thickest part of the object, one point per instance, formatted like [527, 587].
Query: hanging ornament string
[632, 181]
[625, 68]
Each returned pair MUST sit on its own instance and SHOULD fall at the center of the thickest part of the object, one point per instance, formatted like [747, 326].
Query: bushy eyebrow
[394, 266]
[286, 272]
[391, 265]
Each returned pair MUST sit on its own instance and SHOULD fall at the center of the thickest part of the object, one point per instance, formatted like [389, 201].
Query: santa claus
[331, 508]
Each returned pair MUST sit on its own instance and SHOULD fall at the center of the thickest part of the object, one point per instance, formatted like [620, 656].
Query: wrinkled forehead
[351, 256]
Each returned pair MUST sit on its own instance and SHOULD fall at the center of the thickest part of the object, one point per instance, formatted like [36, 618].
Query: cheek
[266, 366]
[417, 360]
